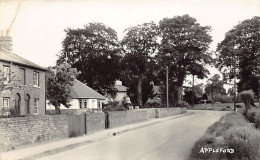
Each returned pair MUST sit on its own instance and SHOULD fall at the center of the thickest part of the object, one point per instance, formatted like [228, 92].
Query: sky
[37, 26]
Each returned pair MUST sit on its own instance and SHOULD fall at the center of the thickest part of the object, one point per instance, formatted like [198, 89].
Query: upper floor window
[6, 72]
[6, 102]
[36, 78]
[22, 76]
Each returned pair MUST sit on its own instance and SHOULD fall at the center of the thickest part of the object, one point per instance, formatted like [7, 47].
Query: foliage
[94, 51]
[113, 106]
[232, 131]
[247, 98]
[245, 140]
[253, 116]
[223, 98]
[242, 45]
[139, 45]
[184, 48]
[215, 86]
[60, 80]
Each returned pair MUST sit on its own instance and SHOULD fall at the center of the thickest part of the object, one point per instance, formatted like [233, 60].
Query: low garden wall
[18, 131]
[121, 118]
[95, 122]
[166, 112]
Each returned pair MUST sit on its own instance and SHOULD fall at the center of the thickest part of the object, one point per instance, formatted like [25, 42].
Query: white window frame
[36, 106]
[7, 99]
[6, 71]
[36, 81]
[80, 103]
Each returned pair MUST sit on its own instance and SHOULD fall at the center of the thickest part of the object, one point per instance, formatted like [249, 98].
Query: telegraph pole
[167, 87]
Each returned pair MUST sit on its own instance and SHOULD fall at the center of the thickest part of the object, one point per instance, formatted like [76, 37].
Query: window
[6, 102]
[6, 73]
[35, 78]
[35, 105]
[83, 103]
[22, 76]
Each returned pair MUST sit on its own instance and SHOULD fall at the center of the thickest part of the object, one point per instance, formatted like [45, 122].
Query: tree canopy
[139, 45]
[242, 46]
[94, 51]
[184, 48]
[215, 86]
[60, 80]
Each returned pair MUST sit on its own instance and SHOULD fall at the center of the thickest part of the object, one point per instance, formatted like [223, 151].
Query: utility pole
[167, 87]
[192, 90]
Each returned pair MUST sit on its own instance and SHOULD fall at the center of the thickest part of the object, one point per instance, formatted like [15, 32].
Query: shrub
[182, 104]
[253, 116]
[247, 98]
[113, 106]
[245, 140]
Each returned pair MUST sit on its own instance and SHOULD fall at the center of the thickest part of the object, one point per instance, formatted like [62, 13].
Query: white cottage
[83, 97]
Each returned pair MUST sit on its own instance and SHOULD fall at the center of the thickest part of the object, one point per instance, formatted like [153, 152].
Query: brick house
[28, 95]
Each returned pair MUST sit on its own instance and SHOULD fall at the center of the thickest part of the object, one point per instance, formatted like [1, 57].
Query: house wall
[28, 89]
[15, 132]
[120, 96]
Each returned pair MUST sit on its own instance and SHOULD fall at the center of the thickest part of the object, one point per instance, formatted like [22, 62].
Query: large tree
[241, 49]
[139, 44]
[95, 52]
[184, 48]
[215, 86]
[60, 80]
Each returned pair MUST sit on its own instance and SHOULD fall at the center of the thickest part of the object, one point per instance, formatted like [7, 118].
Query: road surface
[168, 140]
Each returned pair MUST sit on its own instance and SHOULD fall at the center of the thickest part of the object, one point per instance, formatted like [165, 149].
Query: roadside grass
[232, 131]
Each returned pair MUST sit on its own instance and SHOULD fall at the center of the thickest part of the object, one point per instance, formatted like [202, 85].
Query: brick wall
[15, 132]
[151, 113]
[95, 122]
[165, 112]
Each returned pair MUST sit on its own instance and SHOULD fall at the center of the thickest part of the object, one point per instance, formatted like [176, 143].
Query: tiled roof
[80, 90]
[14, 58]
[121, 88]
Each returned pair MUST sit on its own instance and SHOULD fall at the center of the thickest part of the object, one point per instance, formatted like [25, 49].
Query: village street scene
[129, 80]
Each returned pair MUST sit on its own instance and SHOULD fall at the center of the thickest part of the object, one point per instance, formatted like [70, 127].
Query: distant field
[216, 106]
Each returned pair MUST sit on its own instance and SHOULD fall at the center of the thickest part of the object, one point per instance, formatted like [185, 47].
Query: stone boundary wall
[95, 122]
[151, 113]
[166, 112]
[15, 132]
[120, 118]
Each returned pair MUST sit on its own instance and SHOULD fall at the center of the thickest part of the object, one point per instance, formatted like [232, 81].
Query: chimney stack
[6, 41]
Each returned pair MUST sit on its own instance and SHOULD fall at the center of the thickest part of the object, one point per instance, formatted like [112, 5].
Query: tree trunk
[139, 90]
[57, 109]
[180, 96]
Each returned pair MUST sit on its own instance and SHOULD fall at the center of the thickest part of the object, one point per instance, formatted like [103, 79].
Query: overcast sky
[38, 28]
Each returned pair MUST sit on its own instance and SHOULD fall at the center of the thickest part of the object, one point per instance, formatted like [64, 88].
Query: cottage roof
[80, 90]
[14, 58]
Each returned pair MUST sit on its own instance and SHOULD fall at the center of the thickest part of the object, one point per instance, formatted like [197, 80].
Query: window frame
[8, 102]
[38, 77]
[8, 75]
[36, 107]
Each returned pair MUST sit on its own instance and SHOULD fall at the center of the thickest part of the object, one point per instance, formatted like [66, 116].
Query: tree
[60, 80]
[184, 48]
[94, 51]
[215, 86]
[241, 46]
[139, 44]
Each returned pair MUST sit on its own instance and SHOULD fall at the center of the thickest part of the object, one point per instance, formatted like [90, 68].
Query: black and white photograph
[129, 79]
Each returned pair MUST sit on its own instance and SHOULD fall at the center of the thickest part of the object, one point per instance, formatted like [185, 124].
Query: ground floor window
[83, 103]
[35, 105]
[6, 102]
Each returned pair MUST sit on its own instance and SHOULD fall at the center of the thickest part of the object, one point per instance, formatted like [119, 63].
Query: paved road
[168, 140]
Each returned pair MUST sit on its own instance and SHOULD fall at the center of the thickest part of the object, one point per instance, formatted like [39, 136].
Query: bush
[223, 99]
[247, 98]
[245, 140]
[113, 106]
[182, 104]
[153, 105]
[253, 116]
